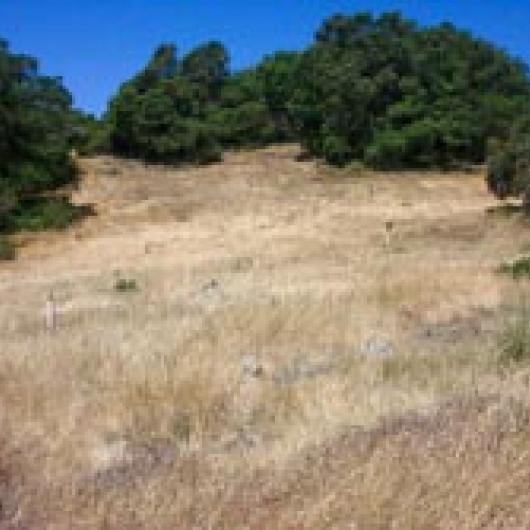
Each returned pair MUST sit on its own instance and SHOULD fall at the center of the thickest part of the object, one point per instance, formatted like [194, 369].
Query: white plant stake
[51, 312]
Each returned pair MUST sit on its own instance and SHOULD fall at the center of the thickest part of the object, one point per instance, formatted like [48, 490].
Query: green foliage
[177, 111]
[395, 95]
[276, 77]
[91, 135]
[207, 67]
[381, 91]
[124, 285]
[519, 268]
[159, 115]
[162, 65]
[37, 128]
[248, 124]
[509, 164]
[7, 250]
[336, 150]
[42, 214]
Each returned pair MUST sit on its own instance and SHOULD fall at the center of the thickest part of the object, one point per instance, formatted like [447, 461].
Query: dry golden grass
[279, 366]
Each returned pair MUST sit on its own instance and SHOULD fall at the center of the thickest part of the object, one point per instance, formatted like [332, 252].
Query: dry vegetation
[278, 365]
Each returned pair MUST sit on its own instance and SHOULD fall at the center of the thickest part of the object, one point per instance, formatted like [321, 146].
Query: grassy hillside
[276, 356]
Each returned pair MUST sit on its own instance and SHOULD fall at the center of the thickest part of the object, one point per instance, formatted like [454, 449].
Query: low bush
[7, 250]
[124, 285]
[43, 214]
[519, 268]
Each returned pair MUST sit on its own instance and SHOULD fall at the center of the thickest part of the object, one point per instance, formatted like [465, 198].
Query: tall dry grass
[279, 366]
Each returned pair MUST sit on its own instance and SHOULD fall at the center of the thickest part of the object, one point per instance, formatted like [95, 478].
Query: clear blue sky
[96, 44]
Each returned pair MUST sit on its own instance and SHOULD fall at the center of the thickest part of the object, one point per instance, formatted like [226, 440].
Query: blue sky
[95, 45]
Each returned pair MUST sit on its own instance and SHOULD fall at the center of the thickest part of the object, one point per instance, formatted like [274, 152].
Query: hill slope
[282, 363]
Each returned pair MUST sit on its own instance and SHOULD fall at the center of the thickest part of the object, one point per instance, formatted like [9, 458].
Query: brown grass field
[280, 364]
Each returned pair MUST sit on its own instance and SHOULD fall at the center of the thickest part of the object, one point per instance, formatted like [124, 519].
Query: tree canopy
[189, 109]
[36, 131]
[394, 95]
[381, 90]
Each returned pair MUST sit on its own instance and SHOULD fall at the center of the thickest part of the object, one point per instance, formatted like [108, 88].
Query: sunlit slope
[302, 348]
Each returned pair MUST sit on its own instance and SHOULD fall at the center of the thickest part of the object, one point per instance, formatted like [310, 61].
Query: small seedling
[124, 285]
[389, 227]
[519, 268]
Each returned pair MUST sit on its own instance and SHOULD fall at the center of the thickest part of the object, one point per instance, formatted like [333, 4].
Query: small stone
[251, 366]
[377, 347]
[211, 285]
[110, 454]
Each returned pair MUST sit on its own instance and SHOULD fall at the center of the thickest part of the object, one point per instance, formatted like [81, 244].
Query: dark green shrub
[398, 95]
[186, 110]
[501, 173]
[336, 150]
[37, 131]
[7, 250]
[91, 135]
[124, 285]
[387, 151]
[509, 164]
[519, 268]
[43, 214]
[35, 127]
[381, 90]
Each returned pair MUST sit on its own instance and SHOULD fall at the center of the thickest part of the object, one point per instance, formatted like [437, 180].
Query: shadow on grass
[506, 209]
[45, 213]
[39, 214]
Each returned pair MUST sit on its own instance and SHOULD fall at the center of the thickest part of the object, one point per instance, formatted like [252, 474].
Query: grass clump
[43, 214]
[519, 268]
[124, 285]
[515, 337]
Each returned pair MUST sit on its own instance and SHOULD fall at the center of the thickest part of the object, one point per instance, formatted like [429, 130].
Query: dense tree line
[394, 95]
[383, 91]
